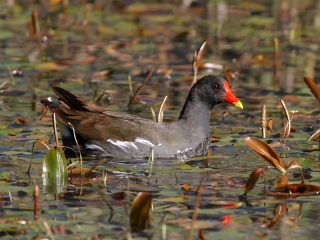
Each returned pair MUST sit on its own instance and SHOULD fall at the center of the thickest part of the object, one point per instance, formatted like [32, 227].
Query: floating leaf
[302, 188]
[55, 171]
[202, 190]
[265, 151]
[140, 211]
[252, 180]
[21, 121]
[48, 66]
[198, 224]
[226, 203]
[118, 195]
[85, 171]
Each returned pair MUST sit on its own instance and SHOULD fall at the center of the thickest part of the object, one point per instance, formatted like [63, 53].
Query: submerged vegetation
[129, 57]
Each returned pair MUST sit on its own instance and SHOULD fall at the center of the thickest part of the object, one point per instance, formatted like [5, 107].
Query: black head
[209, 91]
[213, 90]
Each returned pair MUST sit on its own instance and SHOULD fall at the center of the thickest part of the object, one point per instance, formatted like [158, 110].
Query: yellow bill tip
[238, 104]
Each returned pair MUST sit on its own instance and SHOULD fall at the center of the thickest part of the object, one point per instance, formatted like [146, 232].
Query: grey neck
[196, 116]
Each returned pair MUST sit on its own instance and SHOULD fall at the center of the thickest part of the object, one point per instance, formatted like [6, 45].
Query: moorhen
[102, 132]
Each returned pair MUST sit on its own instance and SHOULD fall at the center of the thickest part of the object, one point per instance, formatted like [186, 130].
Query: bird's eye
[215, 87]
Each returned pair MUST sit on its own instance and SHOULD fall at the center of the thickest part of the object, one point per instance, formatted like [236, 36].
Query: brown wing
[94, 122]
[75, 102]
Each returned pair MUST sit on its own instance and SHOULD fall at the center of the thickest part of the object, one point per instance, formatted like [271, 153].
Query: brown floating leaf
[282, 181]
[315, 136]
[265, 151]
[201, 190]
[21, 121]
[302, 188]
[48, 66]
[313, 87]
[140, 211]
[118, 195]
[76, 172]
[252, 180]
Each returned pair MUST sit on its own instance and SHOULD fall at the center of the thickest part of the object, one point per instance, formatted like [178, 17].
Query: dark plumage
[107, 133]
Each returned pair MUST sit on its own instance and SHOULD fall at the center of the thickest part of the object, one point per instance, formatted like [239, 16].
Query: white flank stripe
[122, 144]
[95, 147]
[144, 141]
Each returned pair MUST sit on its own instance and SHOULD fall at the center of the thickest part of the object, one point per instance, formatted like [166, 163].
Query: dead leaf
[265, 151]
[252, 180]
[140, 211]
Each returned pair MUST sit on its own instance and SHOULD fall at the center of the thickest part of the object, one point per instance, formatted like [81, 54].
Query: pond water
[89, 48]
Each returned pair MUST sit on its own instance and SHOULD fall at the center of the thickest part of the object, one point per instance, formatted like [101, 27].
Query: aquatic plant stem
[130, 86]
[313, 87]
[75, 139]
[141, 86]
[151, 159]
[194, 68]
[32, 152]
[48, 230]
[1, 195]
[275, 62]
[36, 199]
[164, 227]
[226, 74]
[103, 197]
[263, 121]
[287, 128]
[11, 77]
[55, 128]
[195, 211]
[160, 115]
[153, 114]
